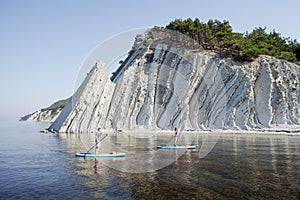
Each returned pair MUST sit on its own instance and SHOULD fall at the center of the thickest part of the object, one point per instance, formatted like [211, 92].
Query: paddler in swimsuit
[97, 138]
[176, 135]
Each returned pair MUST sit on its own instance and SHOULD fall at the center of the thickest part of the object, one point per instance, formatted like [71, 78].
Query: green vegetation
[57, 105]
[139, 38]
[218, 36]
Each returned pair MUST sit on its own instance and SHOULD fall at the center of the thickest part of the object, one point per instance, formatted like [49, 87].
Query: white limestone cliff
[160, 87]
[86, 111]
[48, 114]
[42, 116]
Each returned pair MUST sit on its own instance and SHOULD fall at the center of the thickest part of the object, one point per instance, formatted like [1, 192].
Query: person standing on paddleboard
[97, 138]
[176, 135]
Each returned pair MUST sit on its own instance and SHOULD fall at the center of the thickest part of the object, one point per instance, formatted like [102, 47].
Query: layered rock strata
[42, 116]
[160, 87]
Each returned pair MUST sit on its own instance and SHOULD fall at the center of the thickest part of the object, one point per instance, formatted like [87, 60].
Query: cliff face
[48, 114]
[89, 104]
[42, 116]
[160, 87]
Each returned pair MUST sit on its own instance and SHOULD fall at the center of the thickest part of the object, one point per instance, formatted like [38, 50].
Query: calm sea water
[34, 165]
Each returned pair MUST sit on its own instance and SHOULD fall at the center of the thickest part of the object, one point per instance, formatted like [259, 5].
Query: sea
[35, 165]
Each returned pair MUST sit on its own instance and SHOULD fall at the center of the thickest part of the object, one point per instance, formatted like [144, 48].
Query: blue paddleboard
[103, 155]
[176, 147]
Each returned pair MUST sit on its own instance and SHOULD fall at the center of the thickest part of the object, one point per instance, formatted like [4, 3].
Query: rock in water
[160, 87]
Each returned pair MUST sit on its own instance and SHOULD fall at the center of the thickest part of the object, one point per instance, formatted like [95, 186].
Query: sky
[43, 43]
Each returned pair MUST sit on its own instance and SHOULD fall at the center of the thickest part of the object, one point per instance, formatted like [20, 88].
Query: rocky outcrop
[160, 87]
[87, 109]
[48, 114]
[42, 116]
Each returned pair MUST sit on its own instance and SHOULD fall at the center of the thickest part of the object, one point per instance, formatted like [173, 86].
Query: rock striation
[160, 86]
[48, 114]
[42, 116]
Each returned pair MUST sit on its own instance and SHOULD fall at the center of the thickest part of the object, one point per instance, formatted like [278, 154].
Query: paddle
[96, 144]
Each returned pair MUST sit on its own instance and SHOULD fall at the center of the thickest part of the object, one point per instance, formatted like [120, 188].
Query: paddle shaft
[96, 143]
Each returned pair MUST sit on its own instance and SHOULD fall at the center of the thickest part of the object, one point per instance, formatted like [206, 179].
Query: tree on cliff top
[218, 36]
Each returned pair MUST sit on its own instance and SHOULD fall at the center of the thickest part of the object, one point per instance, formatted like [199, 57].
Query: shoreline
[292, 131]
[288, 130]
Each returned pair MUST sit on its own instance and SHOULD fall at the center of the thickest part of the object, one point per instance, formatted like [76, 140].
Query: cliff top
[219, 37]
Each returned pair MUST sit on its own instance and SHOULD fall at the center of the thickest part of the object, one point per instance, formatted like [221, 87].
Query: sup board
[103, 155]
[176, 147]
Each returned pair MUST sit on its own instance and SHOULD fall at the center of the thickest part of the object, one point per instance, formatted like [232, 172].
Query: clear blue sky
[43, 43]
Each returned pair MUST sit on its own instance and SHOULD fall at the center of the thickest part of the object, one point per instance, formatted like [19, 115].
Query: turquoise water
[34, 165]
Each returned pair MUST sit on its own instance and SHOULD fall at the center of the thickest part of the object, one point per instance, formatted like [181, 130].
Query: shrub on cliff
[218, 36]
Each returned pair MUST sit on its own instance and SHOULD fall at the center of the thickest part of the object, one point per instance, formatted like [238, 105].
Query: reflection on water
[141, 153]
[239, 166]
